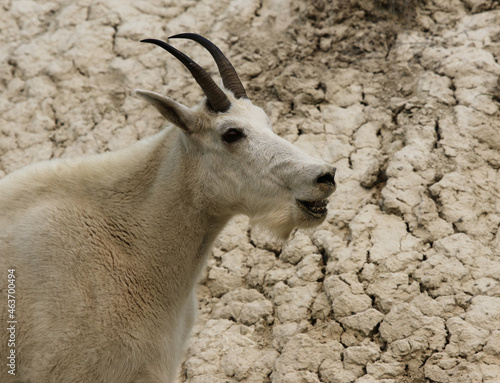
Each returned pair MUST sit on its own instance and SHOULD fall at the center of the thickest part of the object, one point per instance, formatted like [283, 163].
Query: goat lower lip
[315, 208]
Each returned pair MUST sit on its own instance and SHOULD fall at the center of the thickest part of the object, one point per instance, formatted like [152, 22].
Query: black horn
[229, 76]
[216, 97]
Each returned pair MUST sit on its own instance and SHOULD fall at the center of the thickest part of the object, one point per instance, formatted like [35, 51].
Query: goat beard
[276, 223]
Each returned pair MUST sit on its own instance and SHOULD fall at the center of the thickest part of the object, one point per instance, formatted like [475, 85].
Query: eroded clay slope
[402, 282]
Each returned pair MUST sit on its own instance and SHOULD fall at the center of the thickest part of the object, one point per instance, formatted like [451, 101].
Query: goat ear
[178, 114]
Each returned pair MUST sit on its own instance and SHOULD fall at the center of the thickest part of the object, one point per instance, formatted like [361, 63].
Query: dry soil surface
[402, 281]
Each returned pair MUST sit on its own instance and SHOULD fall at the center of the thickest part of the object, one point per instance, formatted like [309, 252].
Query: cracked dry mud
[402, 281]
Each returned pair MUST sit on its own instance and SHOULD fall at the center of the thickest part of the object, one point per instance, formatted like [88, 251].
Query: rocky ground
[402, 281]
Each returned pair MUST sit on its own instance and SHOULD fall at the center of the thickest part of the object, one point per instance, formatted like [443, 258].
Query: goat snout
[327, 178]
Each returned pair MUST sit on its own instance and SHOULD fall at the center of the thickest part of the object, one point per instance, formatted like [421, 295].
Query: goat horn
[229, 76]
[216, 97]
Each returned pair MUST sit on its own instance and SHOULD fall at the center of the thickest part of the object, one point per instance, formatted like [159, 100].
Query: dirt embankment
[402, 282]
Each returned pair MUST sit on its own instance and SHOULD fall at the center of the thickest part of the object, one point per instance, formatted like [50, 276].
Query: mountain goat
[103, 252]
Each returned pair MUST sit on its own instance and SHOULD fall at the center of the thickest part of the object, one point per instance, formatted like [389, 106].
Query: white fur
[107, 249]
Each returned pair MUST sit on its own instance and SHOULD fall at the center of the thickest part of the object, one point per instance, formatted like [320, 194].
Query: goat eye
[233, 135]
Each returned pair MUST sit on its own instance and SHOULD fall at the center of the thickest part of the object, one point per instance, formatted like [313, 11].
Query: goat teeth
[315, 207]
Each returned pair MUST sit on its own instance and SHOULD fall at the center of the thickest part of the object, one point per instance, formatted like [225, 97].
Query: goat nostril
[327, 178]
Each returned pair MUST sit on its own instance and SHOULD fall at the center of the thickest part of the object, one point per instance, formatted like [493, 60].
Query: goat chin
[277, 224]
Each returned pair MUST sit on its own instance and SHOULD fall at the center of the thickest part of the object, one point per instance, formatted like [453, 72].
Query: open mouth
[315, 208]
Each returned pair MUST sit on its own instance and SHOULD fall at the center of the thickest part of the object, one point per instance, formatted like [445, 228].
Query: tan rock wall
[402, 282]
